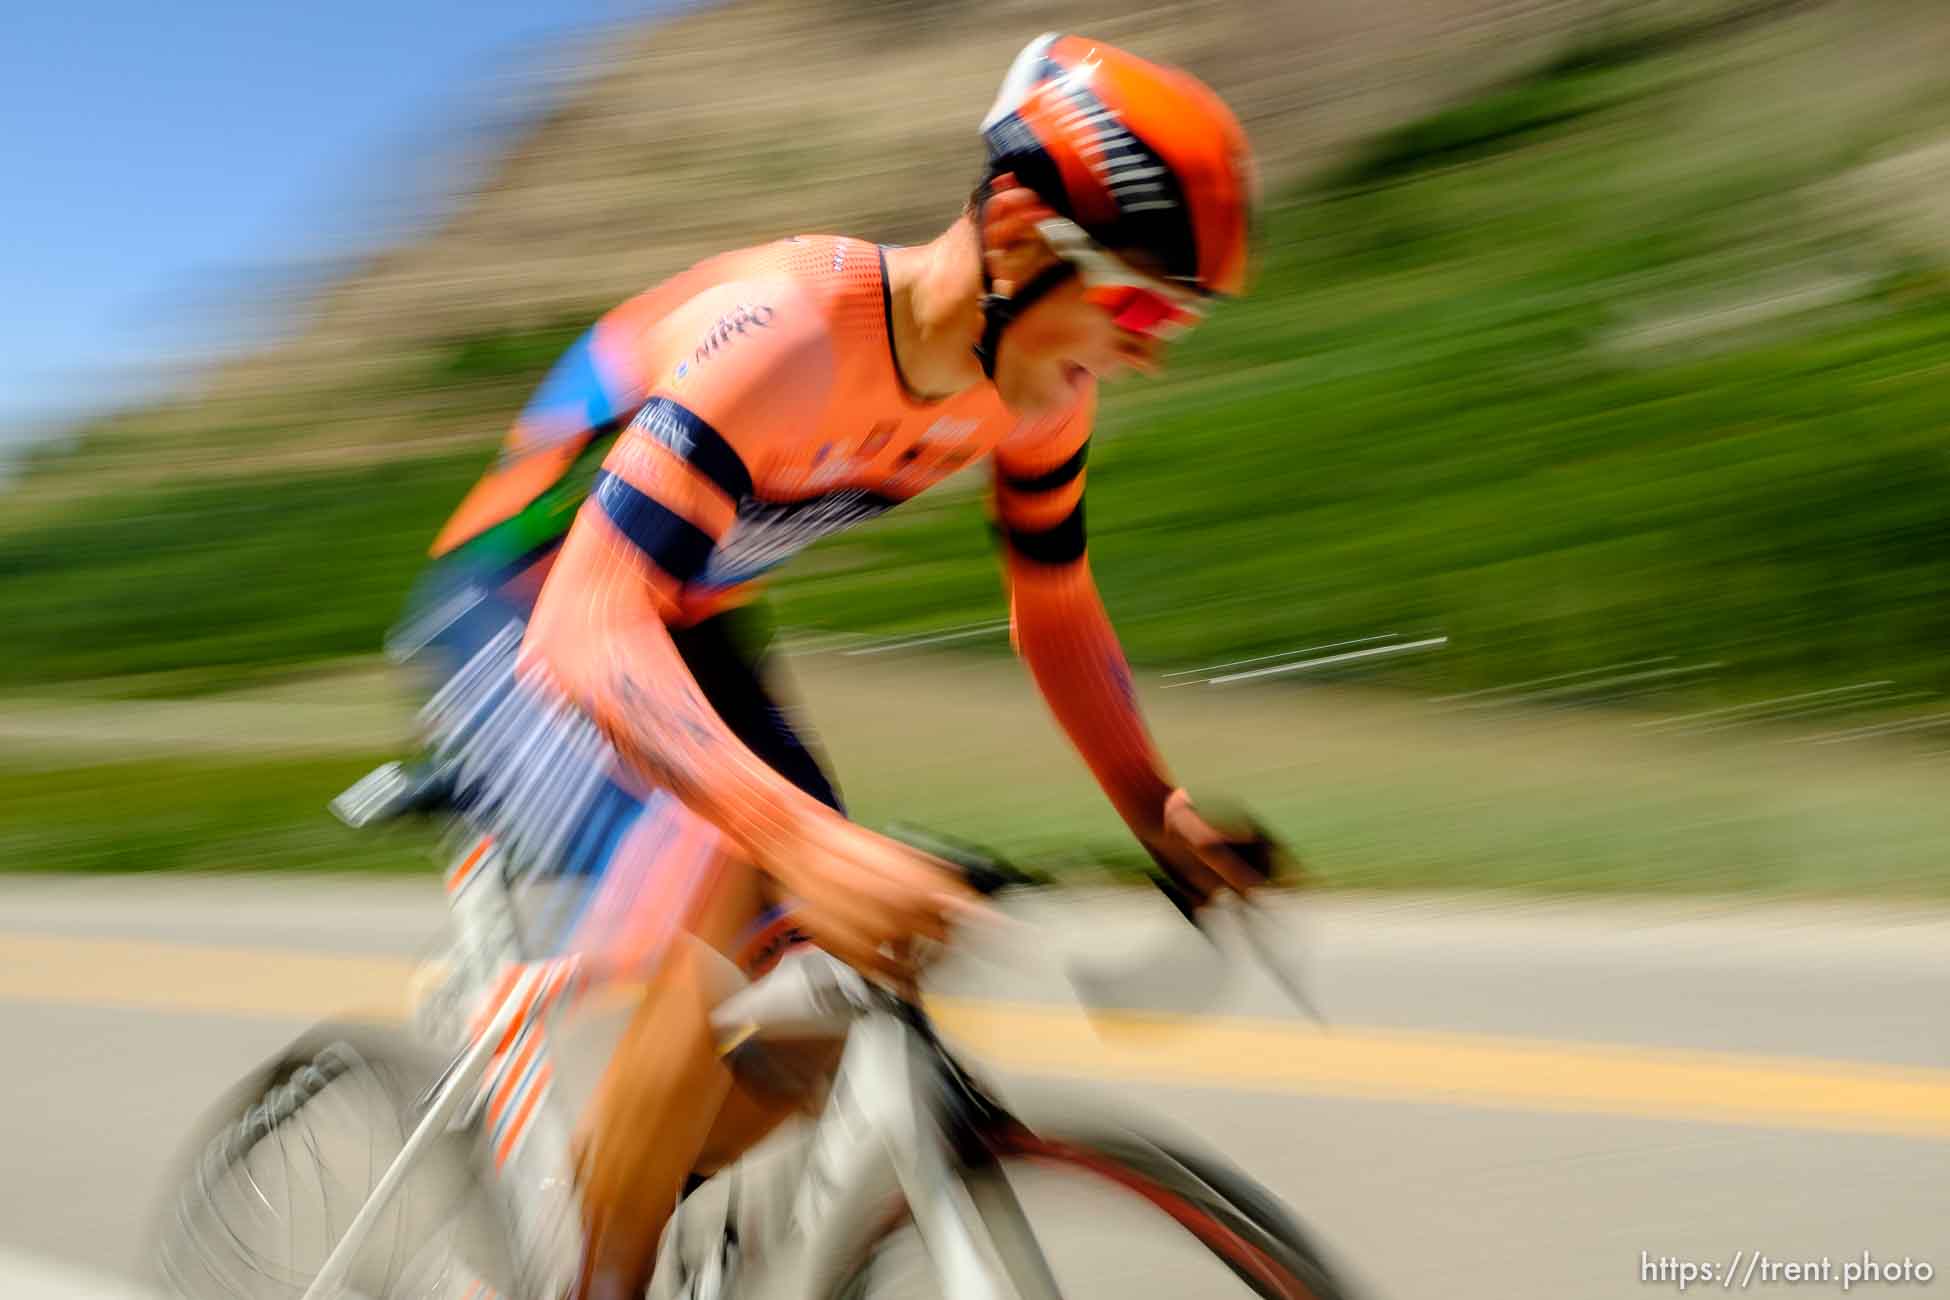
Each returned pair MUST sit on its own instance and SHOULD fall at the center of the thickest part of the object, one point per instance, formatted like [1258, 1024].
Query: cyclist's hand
[865, 898]
[1204, 855]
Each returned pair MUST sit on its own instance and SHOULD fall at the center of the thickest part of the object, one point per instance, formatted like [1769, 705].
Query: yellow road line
[145, 976]
[1236, 1052]
[1461, 1069]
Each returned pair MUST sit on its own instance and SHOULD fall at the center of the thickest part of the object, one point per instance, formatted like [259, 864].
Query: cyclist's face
[1052, 349]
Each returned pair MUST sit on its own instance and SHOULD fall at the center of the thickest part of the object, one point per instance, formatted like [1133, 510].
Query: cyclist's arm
[601, 634]
[665, 497]
[1059, 623]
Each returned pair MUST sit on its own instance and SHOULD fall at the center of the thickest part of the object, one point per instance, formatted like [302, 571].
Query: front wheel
[286, 1159]
[1117, 1216]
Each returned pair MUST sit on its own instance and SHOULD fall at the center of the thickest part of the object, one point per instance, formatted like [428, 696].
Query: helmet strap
[998, 312]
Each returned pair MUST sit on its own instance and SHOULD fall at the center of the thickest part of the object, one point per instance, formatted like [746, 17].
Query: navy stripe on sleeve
[691, 437]
[1061, 544]
[679, 546]
[1050, 480]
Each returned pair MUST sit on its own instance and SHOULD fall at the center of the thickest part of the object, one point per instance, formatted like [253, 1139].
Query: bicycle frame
[885, 1136]
[883, 1140]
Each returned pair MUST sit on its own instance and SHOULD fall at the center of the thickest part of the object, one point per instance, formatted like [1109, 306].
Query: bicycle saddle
[394, 790]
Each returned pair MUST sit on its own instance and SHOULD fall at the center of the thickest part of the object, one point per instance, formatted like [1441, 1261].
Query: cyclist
[601, 698]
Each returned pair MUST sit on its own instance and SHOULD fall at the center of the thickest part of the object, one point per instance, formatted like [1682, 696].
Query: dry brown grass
[1378, 788]
[759, 118]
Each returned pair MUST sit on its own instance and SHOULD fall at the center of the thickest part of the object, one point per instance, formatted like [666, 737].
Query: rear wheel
[1115, 1216]
[291, 1154]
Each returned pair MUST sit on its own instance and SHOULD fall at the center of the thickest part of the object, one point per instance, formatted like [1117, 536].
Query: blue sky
[166, 163]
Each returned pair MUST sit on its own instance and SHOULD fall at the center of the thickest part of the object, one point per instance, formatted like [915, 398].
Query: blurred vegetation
[1572, 373]
[520, 353]
[213, 579]
[1510, 375]
[220, 813]
[1530, 373]
[1374, 797]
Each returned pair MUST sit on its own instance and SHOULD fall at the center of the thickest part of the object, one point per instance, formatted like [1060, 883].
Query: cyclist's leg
[659, 1100]
[730, 658]
[667, 1105]
[747, 1116]
[728, 655]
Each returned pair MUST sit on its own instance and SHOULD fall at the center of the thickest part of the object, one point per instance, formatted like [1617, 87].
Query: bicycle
[445, 1174]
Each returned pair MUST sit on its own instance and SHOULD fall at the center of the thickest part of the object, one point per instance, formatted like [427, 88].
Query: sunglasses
[1137, 302]
[1143, 311]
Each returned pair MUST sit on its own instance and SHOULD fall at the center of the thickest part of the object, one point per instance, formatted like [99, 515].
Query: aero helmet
[1136, 161]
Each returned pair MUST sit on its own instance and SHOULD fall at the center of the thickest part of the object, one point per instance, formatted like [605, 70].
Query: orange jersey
[761, 408]
[765, 411]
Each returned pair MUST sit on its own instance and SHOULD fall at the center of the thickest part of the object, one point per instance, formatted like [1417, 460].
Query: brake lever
[1183, 972]
[1255, 922]
[1166, 978]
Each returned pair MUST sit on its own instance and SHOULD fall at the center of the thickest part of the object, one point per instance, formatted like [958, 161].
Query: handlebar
[1190, 974]
[1170, 970]
[982, 871]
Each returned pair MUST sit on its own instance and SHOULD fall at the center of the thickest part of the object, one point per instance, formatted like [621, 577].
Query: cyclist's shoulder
[818, 274]
[751, 316]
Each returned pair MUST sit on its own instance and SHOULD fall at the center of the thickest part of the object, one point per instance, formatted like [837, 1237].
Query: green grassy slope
[219, 578]
[1573, 374]
[1440, 412]
[181, 813]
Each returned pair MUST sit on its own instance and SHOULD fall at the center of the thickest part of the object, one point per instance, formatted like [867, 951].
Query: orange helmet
[1142, 158]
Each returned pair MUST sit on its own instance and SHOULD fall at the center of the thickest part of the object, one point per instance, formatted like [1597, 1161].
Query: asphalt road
[1513, 1099]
